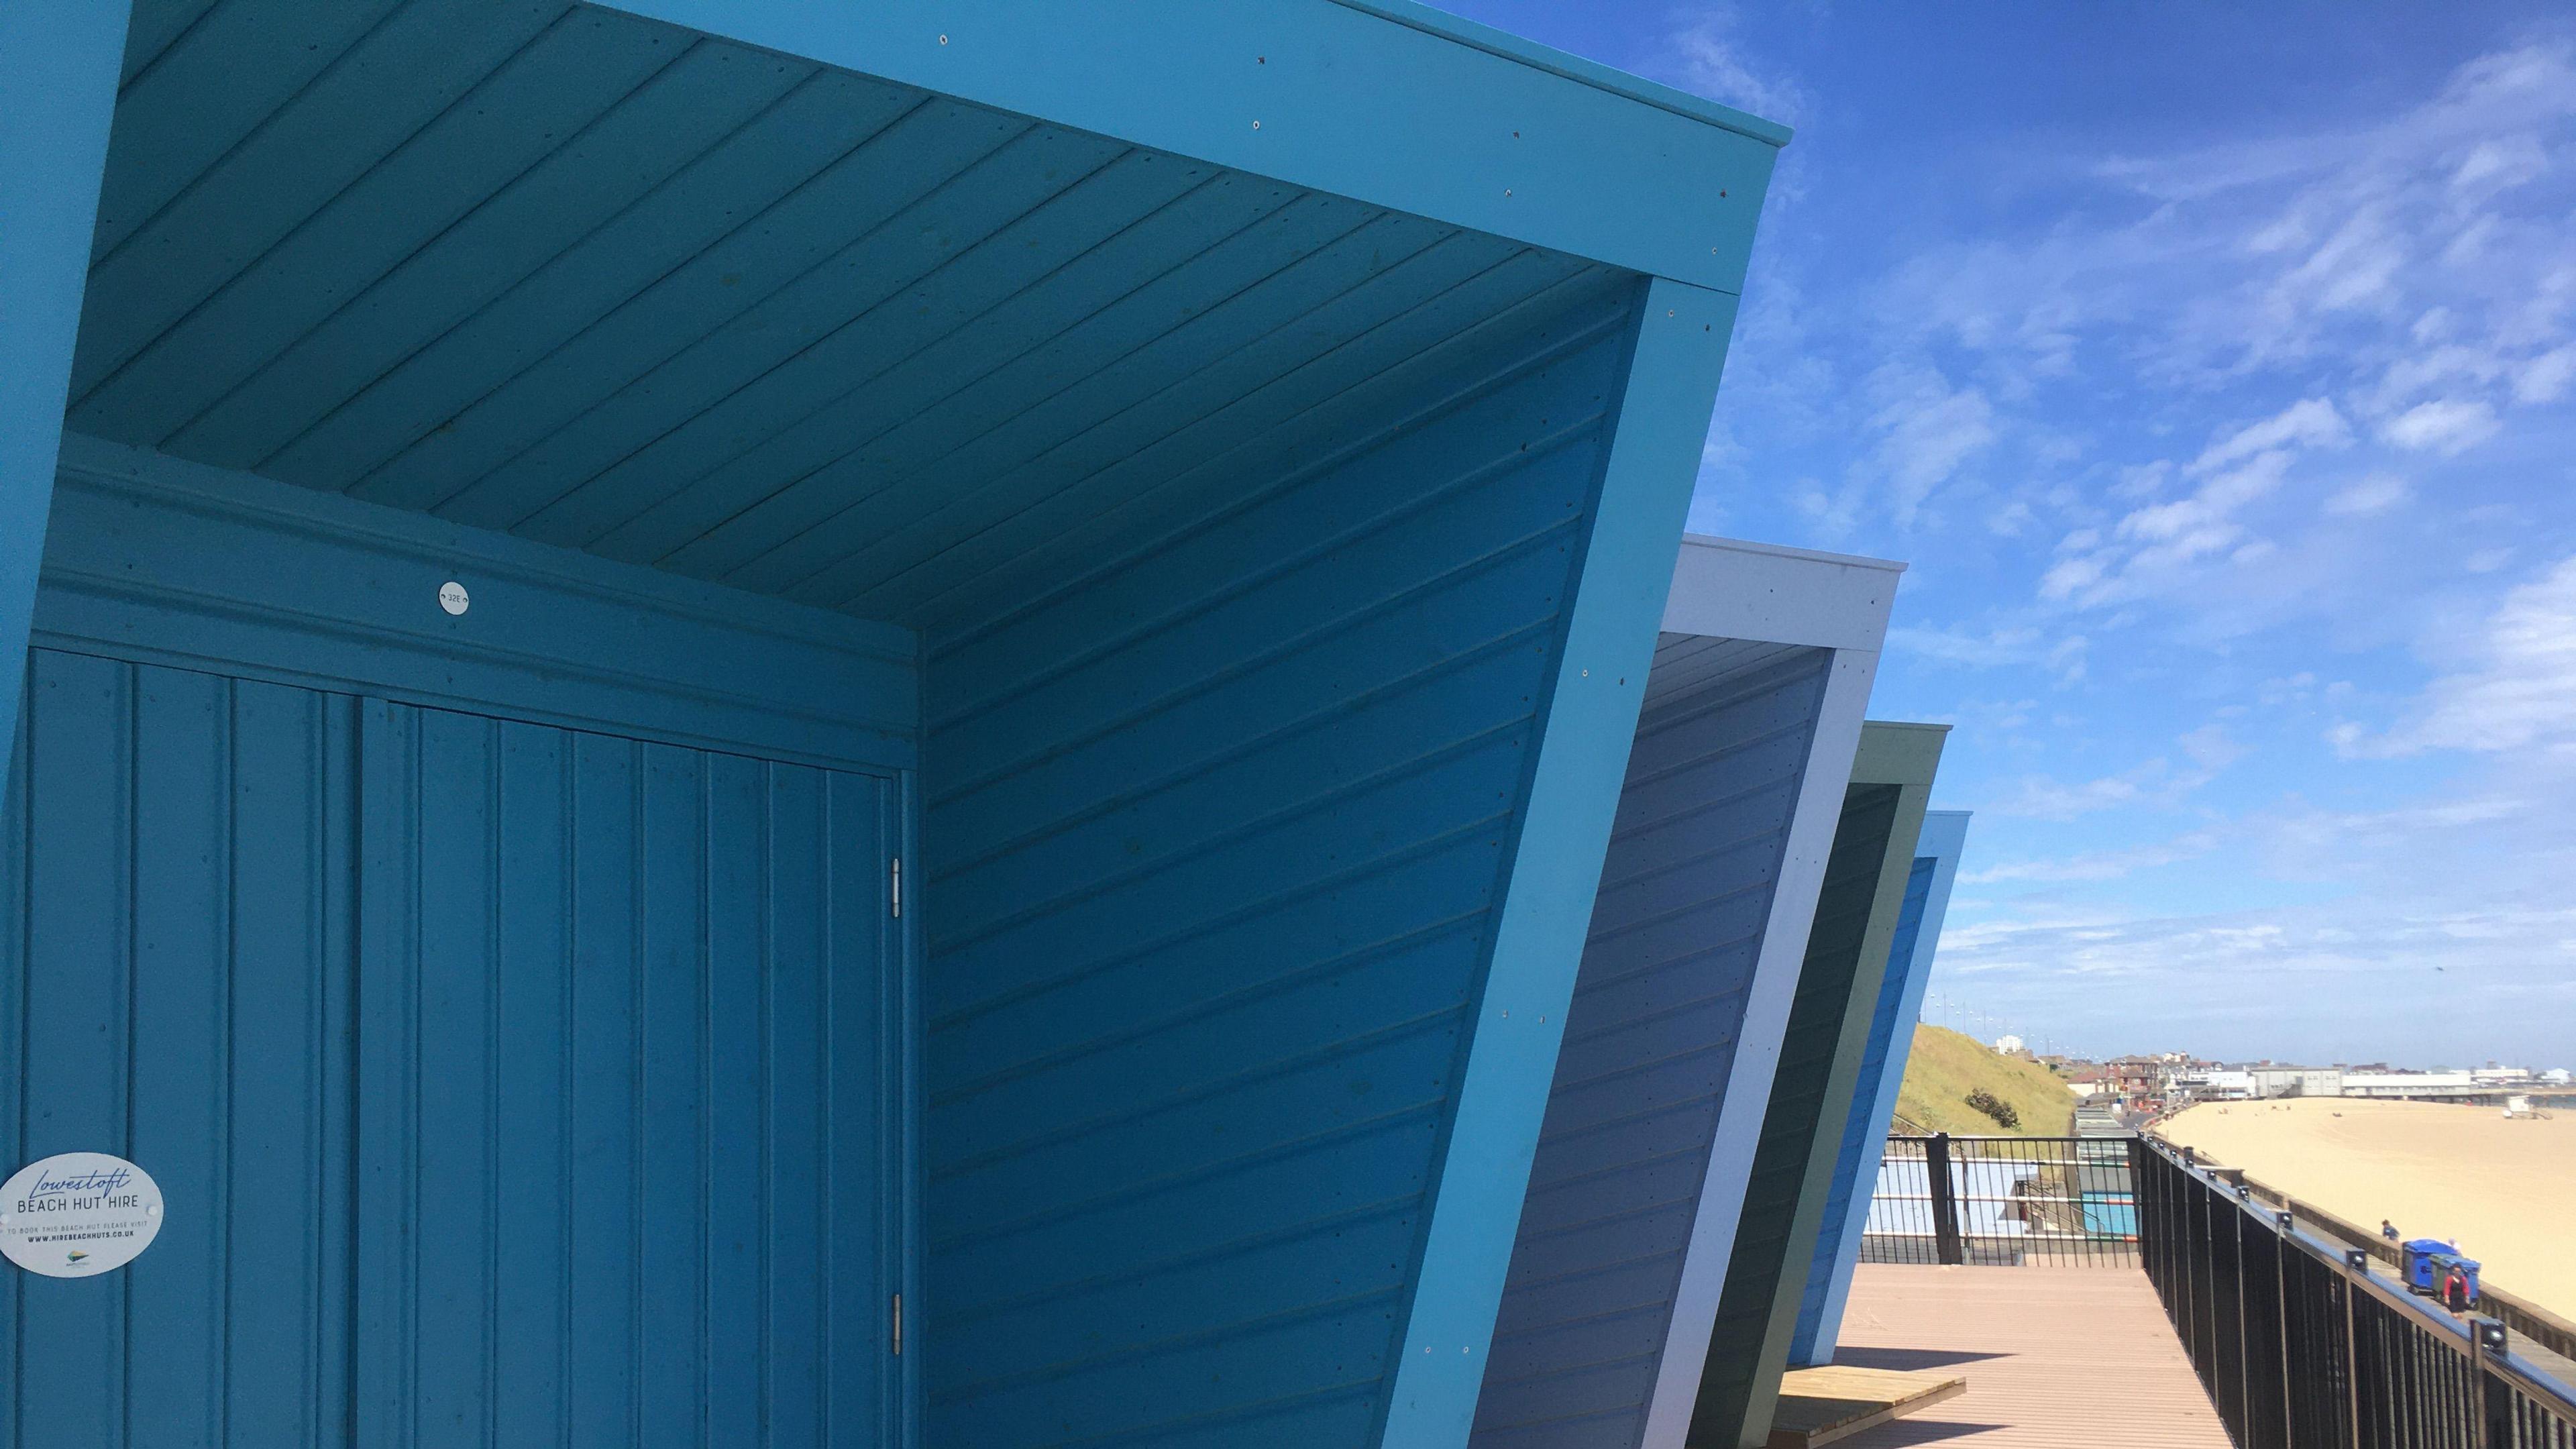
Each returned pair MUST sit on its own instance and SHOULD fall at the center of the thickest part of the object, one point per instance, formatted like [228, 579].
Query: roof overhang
[1383, 101]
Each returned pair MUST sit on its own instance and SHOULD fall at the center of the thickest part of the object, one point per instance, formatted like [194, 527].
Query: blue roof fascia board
[1391, 104]
[1944, 838]
[1572, 67]
[59, 62]
[1554, 869]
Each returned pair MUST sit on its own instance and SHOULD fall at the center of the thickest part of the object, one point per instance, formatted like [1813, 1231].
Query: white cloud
[2062, 655]
[1927, 429]
[2210, 748]
[2156, 781]
[2346, 829]
[2308, 423]
[2500, 165]
[1707, 61]
[2377, 493]
[2044, 798]
[2353, 250]
[2517, 693]
[2099, 865]
[2154, 547]
[2544, 379]
[2448, 426]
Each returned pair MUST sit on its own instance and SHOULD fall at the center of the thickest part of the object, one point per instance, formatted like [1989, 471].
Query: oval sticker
[78, 1214]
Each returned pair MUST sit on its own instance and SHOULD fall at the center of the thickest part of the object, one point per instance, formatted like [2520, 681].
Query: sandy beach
[2505, 1191]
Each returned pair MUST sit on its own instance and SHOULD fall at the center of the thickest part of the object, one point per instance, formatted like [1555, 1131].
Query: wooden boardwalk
[2054, 1358]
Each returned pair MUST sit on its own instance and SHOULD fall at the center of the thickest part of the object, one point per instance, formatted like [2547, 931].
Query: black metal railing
[2002, 1200]
[2302, 1346]
[2527, 1320]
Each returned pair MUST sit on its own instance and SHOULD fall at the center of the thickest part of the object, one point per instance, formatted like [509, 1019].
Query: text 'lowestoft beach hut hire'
[823, 722]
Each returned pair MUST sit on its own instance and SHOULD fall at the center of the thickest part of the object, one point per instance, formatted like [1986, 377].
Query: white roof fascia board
[1727, 588]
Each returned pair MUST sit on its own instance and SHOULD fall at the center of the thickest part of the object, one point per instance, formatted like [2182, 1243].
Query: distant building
[2136, 1078]
[2409, 1084]
[2009, 1046]
[2320, 1082]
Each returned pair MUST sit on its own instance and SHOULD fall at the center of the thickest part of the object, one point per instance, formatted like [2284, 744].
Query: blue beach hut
[887, 721]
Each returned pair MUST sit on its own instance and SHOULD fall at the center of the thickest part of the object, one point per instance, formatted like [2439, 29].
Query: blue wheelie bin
[2421, 1273]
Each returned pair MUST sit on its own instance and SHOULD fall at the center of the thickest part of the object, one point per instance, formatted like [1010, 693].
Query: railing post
[2477, 1404]
[2178, 1213]
[2355, 1261]
[1945, 1208]
[2281, 1295]
[2491, 1398]
[2234, 1213]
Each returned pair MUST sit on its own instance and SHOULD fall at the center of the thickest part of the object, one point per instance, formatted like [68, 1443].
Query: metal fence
[2302, 1346]
[2003, 1200]
[2528, 1321]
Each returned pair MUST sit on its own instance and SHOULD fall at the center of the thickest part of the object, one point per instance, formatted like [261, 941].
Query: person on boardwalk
[2388, 1230]
[2455, 1289]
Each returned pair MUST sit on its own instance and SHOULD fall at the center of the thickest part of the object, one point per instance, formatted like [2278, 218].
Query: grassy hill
[1947, 1066]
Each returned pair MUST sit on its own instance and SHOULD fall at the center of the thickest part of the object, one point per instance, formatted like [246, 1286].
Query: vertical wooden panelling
[14, 789]
[671, 1095]
[619, 1202]
[1702, 829]
[1215, 831]
[177, 849]
[737, 1014]
[454, 970]
[287, 1110]
[565, 1051]
[183, 915]
[534, 1001]
[76, 1044]
[791, 1122]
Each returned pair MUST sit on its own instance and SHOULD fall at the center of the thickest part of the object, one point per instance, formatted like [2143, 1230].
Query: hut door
[623, 1061]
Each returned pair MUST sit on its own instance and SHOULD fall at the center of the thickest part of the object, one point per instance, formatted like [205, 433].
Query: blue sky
[2214, 367]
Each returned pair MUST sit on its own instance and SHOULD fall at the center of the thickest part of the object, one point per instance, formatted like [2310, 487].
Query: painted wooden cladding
[1215, 836]
[1888, 1015]
[606, 283]
[176, 978]
[1685, 663]
[506, 1083]
[1750, 1340]
[1702, 827]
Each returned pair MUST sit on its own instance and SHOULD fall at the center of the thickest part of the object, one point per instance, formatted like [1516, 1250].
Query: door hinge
[895, 876]
[898, 1324]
